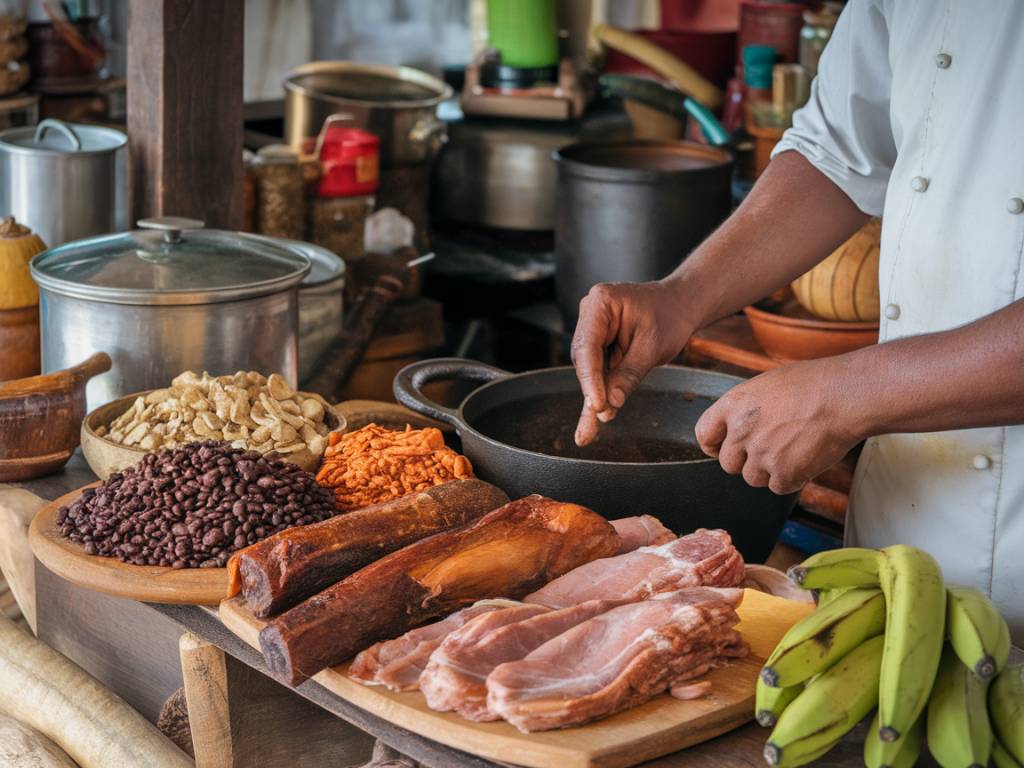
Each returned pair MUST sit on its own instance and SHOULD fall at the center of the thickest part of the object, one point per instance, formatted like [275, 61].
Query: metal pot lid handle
[170, 226]
[62, 128]
[409, 383]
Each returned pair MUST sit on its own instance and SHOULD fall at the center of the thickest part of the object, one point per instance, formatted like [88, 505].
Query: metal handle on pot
[62, 128]
[430, 132]
[409, 383]
[170, 226]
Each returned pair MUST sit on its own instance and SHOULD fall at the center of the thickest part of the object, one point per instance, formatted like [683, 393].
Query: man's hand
[624, 330]
[783, 427]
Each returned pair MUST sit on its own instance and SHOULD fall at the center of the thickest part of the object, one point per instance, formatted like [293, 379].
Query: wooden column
[185, 109]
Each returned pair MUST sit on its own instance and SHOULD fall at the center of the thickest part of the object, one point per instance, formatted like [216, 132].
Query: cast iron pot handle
[409, 383]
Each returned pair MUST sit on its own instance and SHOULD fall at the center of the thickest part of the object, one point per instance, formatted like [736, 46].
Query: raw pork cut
[455, 677]
[703, 558]
[508, 552]
[641, 531]
[617, 660]
[397, 664]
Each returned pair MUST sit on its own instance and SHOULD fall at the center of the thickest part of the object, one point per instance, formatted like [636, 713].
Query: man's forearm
[972, 376]
[792, 219]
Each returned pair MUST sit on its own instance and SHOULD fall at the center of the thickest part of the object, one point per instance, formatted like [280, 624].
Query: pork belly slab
[641, 531]
[397, 664]
[617, 660]
[455, 677]
[702, 558]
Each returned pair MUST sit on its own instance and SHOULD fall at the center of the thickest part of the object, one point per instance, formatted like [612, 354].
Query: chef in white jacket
[917, 116]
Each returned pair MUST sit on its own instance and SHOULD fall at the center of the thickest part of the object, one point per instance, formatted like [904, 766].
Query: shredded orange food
[374, 464]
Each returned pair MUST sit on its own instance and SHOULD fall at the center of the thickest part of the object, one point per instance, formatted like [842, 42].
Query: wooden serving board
[152, 584]
[659, 727]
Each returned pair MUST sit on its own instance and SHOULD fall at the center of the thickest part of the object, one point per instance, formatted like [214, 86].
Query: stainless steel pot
[499, 173]
[167, 298]
[61, 179]
[632, 211]
[399, 105]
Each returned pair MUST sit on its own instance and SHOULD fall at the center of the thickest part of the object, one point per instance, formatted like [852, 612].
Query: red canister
[351, 161]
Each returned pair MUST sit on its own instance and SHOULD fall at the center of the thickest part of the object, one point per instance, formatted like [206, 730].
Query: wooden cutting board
[153, 584]
[659, 727]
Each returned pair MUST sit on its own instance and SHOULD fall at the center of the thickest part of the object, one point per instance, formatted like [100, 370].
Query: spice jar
[280, 193]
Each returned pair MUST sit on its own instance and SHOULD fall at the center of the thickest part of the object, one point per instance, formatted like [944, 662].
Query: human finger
[732, 457]
[711, 430]
[595, 330]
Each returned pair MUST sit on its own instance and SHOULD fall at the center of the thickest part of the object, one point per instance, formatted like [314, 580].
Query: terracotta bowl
[789, 332]
[105, 457]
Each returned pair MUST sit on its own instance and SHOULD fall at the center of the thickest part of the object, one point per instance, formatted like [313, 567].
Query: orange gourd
[845, 285]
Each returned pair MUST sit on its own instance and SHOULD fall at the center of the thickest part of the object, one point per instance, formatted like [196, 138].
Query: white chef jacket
[917, 114]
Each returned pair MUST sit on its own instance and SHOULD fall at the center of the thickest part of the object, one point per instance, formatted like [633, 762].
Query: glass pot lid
[170, 260]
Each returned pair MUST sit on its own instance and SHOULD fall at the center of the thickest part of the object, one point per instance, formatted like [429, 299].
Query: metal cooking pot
[644, 462]
[321, 301]
[631, 211]
[61, 179]
[167, 298]
[399, 105]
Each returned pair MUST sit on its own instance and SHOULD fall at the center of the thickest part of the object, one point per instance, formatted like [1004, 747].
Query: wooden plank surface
[185, 109]
[661, 726]
[191, 586]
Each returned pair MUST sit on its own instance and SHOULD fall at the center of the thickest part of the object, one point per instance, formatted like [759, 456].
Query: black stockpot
[631, 211]
[511, 424]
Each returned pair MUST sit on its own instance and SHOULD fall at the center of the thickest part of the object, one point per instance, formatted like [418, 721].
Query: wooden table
[241, 717]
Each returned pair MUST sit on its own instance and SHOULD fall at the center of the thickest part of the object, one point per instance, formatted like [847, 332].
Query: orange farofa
[375, 464]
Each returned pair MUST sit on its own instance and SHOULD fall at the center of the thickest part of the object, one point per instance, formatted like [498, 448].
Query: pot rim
[564, 160]
[464, 425]
[442, 90]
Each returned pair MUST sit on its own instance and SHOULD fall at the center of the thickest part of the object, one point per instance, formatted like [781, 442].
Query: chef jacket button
[892, 311]
[1015, 205]
[919, 183]
[981, 461]
[943, 60]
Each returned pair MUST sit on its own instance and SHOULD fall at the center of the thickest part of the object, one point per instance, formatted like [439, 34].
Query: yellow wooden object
[845, 285]
[18, 244]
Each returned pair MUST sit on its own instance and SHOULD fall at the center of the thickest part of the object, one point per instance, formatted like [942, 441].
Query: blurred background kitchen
[513, 152]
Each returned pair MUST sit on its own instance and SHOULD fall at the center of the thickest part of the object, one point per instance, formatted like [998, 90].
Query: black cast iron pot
[517, 430]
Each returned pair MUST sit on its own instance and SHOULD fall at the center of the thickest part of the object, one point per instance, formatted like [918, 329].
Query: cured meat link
[397, 664]
[617, 660]
[704, 557]
[455, 677]
[281, 571]
[507, 553]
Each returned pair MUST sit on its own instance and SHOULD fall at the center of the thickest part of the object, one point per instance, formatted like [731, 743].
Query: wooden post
[185, 109]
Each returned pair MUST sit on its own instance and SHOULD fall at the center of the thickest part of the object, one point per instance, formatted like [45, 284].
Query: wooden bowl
[788, 332]
[105, 457]
[39, 418]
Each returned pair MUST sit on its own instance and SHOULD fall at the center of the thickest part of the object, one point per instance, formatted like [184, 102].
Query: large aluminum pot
[517, 430]
[167, 298]
[399, 105]
[62, 179]
[632, 211]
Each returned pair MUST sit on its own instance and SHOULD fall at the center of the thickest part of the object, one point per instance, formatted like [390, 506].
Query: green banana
[1002, 758]
[826, 596]
[816, 642]
[902, 753]
[915, 597]
[837, 568]
[827, 708]
[1006, 708]
[769, 702]
[976, 631]
[959, 734]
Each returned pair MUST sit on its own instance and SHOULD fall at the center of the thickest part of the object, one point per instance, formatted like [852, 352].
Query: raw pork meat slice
[397, 664]
[616, 660]
[641, 531]
[702, 558]
[455, 677]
